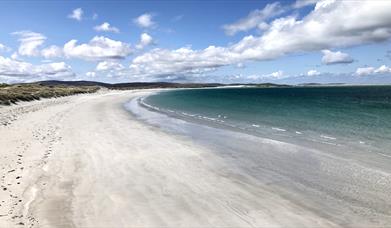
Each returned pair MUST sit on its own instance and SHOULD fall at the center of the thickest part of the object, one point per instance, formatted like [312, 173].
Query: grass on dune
[10, 94]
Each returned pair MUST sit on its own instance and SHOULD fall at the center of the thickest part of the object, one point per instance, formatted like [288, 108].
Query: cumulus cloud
[331, 24]
[335, 24]
[144, 20]
[106, 27]
[29, 42]
[77, 14]
[52, 52]
[275, 75]
[145, 40]
[383, 69]
[99, 48]
[109, 65]
[25, 70]
[338, 57]
[256, 18]
[363, 71]
[183, 60]
[313, 73]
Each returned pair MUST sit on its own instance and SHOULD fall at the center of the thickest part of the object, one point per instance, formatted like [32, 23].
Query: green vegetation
[10, 94]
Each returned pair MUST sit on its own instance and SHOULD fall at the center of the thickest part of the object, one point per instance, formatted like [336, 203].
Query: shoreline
[338, 146]
[88, 163]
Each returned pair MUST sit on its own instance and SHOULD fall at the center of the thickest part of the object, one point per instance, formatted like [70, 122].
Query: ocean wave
[278, 129]
[327, 137]
[141, 101]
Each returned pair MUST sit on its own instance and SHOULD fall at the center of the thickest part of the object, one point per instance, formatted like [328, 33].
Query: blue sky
[201, 41]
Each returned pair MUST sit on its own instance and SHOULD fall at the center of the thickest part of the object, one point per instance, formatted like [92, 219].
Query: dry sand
[83, 161]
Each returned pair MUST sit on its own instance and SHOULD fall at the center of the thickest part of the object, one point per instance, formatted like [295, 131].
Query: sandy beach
[84, 161]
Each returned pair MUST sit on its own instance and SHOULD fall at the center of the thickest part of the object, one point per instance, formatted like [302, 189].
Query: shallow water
[358, 116]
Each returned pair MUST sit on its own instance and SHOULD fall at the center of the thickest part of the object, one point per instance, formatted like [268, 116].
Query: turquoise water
[357, 116]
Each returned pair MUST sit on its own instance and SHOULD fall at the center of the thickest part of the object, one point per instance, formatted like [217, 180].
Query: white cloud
[145, 40]
[29, 42]
[144, 20]
[336, 24]
[99, 48]
[255, 19]
[363, 71]
[106, 27]
[330, 57]
[52, 52]
[14, 56]
[182, 60]
[109, 65]
[313, 73]
[20, 69]
[76, 14]
[331, 24]
[4, 48]
[277, 74]
[91, 74]
[383, 69]
[53, 68]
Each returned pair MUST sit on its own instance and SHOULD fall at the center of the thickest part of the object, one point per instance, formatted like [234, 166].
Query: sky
[236, 41]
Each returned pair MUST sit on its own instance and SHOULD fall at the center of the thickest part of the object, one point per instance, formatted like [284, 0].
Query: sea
[325, 148]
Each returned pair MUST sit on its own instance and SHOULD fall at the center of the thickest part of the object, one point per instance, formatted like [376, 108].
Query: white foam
[278, 129]
[298, 132]
[327, 137]
[255, 125]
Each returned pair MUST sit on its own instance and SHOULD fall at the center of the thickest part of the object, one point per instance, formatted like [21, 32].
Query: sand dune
[83, 161]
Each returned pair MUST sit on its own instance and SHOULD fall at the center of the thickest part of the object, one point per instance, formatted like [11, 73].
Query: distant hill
[130, 85]
[321, 84]
[270, 85]
[138, 85]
